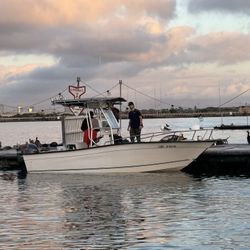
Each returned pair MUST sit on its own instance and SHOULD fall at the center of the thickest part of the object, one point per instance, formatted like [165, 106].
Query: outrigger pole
[120, 120]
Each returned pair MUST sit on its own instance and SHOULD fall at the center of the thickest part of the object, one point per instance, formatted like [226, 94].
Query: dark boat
[232, 126]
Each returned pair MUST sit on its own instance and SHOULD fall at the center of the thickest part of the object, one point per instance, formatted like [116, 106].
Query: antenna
[120, 83]
[78, 79]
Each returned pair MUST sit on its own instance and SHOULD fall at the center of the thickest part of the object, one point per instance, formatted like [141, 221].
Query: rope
[234, 98]
[146, 95]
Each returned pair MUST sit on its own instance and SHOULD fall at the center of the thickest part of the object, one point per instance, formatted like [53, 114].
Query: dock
[10, 159]
[226, 159]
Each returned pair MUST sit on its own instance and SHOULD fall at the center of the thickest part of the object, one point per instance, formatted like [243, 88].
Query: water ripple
[144, 211]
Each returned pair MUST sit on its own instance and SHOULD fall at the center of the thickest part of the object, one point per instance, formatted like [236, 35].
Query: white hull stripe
[107, 168]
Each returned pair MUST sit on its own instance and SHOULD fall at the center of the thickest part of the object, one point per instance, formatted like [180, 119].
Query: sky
[184, 53]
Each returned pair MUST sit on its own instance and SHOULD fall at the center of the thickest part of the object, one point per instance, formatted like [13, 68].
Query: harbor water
[139, 211]
[126, 211]
[13, 133]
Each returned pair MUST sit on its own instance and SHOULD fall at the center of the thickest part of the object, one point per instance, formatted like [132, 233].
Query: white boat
[136, 157]
[163, 151]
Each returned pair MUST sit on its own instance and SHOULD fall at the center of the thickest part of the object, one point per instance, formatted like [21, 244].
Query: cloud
[52, 27]
[179, 48]
[10, 71]
[231, 6]
[83, 31]
[104, 41]
[53, 13]
[93, 39]
[164, 9]
[221, 47]
[50, 13]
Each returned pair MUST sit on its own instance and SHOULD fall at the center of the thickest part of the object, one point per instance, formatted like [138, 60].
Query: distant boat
[232, 126]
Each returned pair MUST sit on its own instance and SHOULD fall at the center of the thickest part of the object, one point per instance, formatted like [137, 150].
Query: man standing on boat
[135, 123]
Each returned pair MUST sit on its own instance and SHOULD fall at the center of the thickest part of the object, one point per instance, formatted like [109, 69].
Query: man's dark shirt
[134, 118]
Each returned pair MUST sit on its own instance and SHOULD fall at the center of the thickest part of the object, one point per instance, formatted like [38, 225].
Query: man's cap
[130, 103]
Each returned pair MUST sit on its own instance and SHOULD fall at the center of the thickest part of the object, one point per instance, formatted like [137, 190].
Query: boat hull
[124, 158]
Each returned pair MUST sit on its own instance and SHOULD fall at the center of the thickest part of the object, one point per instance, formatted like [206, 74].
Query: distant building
[244, 109]
[31, 109]
[19, 109]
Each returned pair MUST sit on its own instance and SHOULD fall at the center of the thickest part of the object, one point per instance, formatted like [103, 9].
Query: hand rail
[175, 133]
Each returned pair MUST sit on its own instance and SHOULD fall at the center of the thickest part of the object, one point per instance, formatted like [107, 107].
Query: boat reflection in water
[117, 211]
[124, 211]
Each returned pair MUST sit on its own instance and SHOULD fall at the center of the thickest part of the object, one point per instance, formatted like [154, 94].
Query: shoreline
[124, 116]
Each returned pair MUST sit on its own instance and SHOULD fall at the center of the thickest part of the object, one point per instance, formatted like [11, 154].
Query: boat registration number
[167, 146]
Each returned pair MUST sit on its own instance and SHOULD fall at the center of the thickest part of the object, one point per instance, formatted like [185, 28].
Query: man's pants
[135, 132]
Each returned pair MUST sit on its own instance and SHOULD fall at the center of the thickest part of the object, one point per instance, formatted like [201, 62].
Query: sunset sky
[182, 52]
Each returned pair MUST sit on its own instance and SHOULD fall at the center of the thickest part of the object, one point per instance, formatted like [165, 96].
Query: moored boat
[129, 157]
[109, 152]
[232, 127]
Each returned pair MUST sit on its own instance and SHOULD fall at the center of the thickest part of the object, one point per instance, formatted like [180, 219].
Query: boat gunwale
[121, 144]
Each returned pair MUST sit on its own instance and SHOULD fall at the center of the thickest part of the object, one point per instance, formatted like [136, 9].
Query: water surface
[139, 211]
[13, 133]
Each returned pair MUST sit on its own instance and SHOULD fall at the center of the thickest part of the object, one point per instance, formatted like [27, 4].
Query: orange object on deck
[87, 136]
